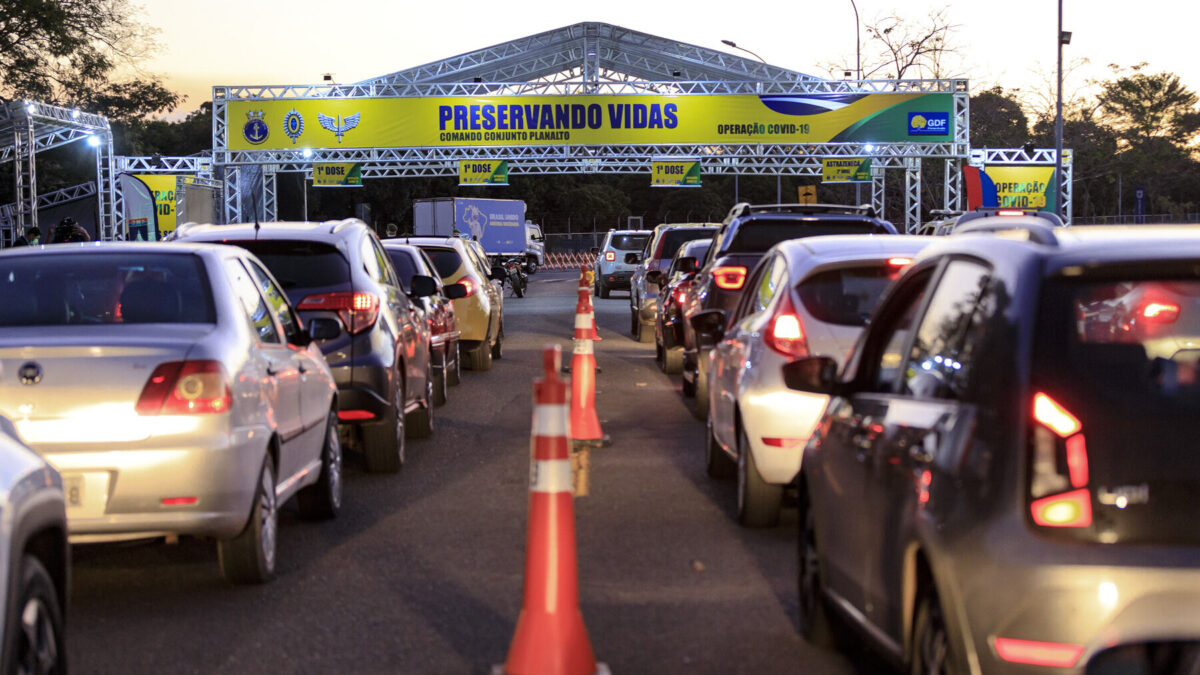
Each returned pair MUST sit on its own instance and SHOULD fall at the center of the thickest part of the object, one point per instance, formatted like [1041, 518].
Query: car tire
[37, 642]
[817, 624]
[498, 348]
[717, 464]
[420, 421]
[757, 500]
[673, 361]
[602, 291]
[658, 356]
[440, 392]
[322, 500]
[249, 558]
[635, 326]
[480, 358]
[689, 386]
[383, 444]
[531, 266]
[932, 650]
[454, 372]
[700, 405]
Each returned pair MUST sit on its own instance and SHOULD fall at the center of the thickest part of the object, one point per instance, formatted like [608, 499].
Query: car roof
[309, 230]
[647, 232]
[171, 248]
[813, 251]
[452, 242]
[668, 226]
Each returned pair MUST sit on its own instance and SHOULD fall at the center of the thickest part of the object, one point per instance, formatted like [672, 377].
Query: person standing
[32, 237]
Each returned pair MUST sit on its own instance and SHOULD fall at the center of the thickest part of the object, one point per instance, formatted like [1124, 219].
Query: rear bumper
[614, 279]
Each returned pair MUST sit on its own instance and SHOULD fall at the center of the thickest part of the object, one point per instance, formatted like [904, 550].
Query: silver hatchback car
[174, 389]
[806, 296]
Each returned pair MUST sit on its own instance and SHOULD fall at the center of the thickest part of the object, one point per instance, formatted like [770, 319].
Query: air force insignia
[293, 125]
[255, 129]
[338, 125]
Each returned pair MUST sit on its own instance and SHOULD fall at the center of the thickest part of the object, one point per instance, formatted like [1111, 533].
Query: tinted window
[301, 264]
[672, 239]
[255, 308]
[95, 288]
[277, 299]
[846, 296]
[946, 344]
[628, 242]
[405, 266]
[758, 236]
[445, 260]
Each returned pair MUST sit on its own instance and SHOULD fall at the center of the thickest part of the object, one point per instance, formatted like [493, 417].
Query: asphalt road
[422, 571]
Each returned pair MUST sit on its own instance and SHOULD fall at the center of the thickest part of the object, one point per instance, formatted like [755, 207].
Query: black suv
[1006, 476]
[381, 360]
[746, 234]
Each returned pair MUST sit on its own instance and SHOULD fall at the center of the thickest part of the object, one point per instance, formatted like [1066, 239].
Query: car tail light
[179, 501]
[782, 442]
[355, 415]
[1051, 654]
[358, 311]
[1060, 463]
[730, 277]
[785, 333]
[610, 256]
[1010, 212]
[185, 388]
[680, 295]
[1159, 312]
[471, 286]
[899, 262]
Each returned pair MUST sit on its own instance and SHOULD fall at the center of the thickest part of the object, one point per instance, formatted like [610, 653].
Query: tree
[997, 120]
[1144, 106]
[67, 52]
[908, 48]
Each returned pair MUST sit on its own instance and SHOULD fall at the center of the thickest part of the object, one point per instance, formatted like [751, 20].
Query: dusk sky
[240, 42]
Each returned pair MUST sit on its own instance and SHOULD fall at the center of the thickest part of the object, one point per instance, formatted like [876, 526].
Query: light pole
[778, 177]
[1064, 38]
[857, 42]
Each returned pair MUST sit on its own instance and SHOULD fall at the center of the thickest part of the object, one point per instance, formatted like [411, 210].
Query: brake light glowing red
[185, 388]
[680, 295]
[1160, 312]
[358, 311]
[179, 501]
[782, 442]
[1077, 460]
[899, 262]
[610, 256]
[1069, 509]
[355, 415]
[785, 334]
[730, 277]
[469, 285]
[1010, 212]
[1051, 654]
[1048, 412]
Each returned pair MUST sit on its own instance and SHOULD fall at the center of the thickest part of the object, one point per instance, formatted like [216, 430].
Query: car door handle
[303, 368]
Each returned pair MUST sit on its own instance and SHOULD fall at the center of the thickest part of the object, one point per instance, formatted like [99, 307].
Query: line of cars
[193, 387]
[987, 434]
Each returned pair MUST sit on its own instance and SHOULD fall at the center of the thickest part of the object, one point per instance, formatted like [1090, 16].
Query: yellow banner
[1021, 187]
[846, 170]
[337, 174]
[584, 120]
[163, 187]
[483, 172]
[675, 173]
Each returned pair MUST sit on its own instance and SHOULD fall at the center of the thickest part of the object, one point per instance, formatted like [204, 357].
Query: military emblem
[255, 129]
[339, 125]
[293, 125]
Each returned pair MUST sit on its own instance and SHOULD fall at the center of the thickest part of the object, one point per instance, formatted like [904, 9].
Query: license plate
[73, 488]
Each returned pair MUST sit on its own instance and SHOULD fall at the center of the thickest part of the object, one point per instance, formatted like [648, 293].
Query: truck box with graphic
[497, 224]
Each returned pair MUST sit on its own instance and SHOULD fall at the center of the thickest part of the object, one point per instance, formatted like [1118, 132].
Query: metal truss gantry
[198, 166]
[982, 157]
[591, 58]
[30, 127]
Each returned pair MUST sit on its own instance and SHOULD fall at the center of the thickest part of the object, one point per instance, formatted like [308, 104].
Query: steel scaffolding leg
[912, 194]
[952, 193]
[877, 183]
[110, 207]
[269, 194]
[1068, 190]
[24, 176]
[232, 195]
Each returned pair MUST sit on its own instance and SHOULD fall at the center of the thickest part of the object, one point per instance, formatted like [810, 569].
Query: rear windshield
[405, 266]
[92, 288]
[759, 236]
[628, 242]
[671, 240]
[445, 260]
[301, 264]
[846, 296]
[697, 250]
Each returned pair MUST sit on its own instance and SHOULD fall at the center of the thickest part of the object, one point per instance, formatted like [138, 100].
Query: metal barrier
[567, 260]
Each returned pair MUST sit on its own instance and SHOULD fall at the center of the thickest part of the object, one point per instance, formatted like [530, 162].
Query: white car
[173, 387]
[34, 559]
[808, 296]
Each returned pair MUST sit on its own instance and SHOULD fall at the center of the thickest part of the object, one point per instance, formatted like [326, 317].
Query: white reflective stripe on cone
[582, 347]
[550, 475]
[550, 419]
[582, 320]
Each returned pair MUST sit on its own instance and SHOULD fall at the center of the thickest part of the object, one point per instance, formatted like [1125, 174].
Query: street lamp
[778, 178]
[731, 44]
[857, 42]
[1064, 38]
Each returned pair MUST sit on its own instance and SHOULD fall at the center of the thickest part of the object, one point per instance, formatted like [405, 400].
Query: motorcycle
[511, 273]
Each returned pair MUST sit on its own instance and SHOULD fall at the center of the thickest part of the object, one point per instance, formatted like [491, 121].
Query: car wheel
[817, 625]
[420, 421]
[498, 348]
[673, 361]
[757, 500]
[454, 372]
[323, 499]
[383, 444]
[439, 380]
[36, 638]
[531, 266]
[480, 358]
[717, 464]
[249, 558]
[700, 406]
[931, 647]
[658, 356]
[689, 385]
[602, 290]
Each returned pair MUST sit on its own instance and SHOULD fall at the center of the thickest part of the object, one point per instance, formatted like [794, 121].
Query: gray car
[174, 388]
[657, 254]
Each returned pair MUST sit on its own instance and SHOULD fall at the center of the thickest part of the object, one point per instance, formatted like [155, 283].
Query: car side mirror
[813, 374]
[454, 291]
[655, 277]
[709, 326]
[632, 258]
[688, 265]
[423, 286]
[322, 328]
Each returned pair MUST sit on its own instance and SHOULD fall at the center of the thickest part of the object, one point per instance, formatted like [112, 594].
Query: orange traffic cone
[585, 326]
[585, 423]
[550, 638]
[591, 318]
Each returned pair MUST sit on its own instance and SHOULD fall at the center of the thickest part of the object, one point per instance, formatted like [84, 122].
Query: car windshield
[628, 242]
[759, 236]
[299, 263]
[93, 288]
[671, 240]
[445, 260]
[846, 296]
